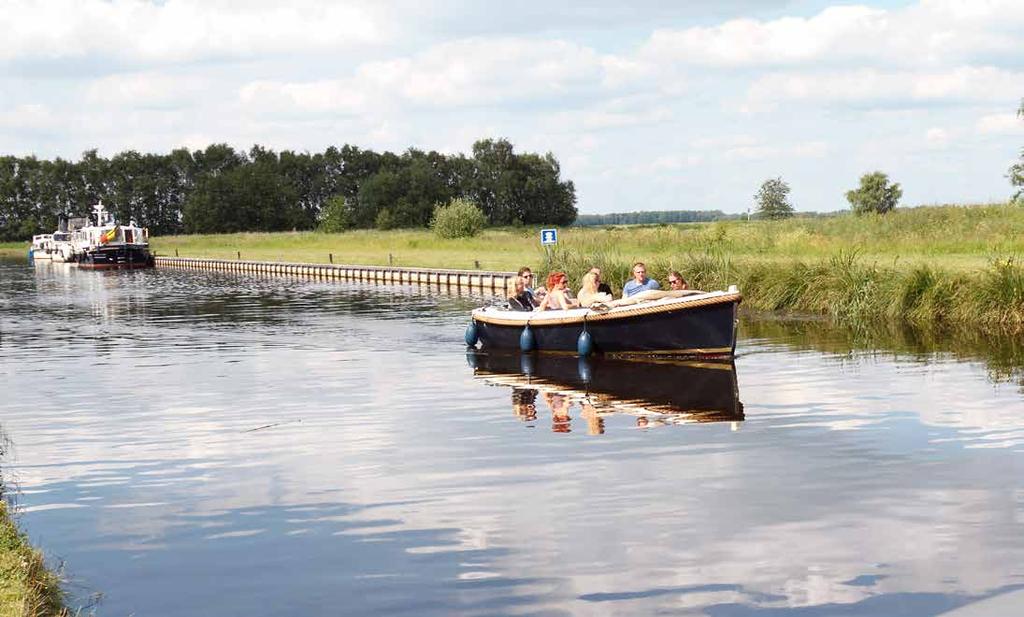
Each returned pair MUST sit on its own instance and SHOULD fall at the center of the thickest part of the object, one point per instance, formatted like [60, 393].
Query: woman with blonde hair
[589, 294]
[519, 298]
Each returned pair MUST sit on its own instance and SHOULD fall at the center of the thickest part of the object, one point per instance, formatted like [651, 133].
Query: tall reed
[845, 286]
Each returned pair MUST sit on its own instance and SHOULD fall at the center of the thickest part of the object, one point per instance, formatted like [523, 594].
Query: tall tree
[874, 194]
[772, 199]
[1016, 173]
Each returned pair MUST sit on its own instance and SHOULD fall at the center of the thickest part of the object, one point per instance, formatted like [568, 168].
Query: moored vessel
[105, 244]
[54, 247]
[41, 249]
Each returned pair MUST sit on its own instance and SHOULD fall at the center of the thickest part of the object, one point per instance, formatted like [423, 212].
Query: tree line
[651, 217]
[222, 190]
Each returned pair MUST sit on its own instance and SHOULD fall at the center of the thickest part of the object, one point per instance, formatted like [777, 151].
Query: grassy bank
[947, 237]
[950, 237]
[27, 588]
[948, 265]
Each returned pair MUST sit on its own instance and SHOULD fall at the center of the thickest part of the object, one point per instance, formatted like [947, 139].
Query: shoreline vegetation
[931, 267]
[27, 587]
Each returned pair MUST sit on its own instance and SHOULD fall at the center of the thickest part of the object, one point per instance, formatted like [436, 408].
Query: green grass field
[938, 265]
[947, 237]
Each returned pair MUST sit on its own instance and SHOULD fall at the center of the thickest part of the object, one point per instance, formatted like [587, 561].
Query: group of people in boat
[524, 294]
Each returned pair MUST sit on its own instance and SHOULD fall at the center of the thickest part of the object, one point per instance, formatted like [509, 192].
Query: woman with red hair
[558, 294]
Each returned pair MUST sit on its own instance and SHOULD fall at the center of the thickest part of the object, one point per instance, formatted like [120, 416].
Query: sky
[647, 105]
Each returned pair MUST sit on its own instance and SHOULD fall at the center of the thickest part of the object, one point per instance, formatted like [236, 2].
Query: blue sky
[648, 105]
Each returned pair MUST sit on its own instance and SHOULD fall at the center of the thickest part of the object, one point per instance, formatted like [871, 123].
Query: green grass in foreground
[27, 588]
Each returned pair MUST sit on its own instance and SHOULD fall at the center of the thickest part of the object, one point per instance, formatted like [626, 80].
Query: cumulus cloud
[931, 33]
[145, 90]
[1000, 124]
[749, 42]
[454, 74]
[335, 96]
[31, 117]
[481, 71]
[859, 85]
[179, 30]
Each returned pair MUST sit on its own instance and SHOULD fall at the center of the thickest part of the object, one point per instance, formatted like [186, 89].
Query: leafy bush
[459, 218]
[335, 216]
[875, 194]
[385, 220]
[772, 199]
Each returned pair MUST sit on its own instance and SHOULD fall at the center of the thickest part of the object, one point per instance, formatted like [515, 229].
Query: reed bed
[845, 287]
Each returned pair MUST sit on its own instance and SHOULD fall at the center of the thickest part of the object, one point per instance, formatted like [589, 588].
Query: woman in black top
[519, 299]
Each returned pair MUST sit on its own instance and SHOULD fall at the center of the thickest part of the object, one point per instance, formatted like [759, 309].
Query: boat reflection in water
[655, 392]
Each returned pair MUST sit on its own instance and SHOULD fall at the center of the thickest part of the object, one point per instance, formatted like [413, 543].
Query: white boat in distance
[55, 247]
[42, 248]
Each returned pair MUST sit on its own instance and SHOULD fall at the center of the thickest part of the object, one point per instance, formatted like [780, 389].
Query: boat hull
[116, 258]
[693, 329]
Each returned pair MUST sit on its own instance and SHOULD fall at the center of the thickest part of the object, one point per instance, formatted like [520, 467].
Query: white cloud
[338, 96]
[871, 85]
[487, 71]
[613, 113]
[808, 149]
[179, 30]
[933, 32]
[146, 90]
[1000, 124]
[32, 117]
[936, 137]
[471, 72]
[744, 42]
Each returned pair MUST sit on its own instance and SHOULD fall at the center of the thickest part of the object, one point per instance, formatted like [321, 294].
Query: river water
[213, 444]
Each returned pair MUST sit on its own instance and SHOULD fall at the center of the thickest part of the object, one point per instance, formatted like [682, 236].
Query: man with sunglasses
[527, 275]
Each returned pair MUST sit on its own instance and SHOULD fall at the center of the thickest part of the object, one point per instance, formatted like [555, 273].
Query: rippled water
[211, 444]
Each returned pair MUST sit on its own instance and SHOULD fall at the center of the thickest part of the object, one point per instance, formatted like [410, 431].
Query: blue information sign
[549, 236]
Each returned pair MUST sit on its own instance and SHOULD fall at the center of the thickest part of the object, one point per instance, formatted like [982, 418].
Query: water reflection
[1002, 355]
[657, 392]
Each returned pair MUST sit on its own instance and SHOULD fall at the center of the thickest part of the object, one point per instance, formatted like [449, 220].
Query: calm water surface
[211, 444]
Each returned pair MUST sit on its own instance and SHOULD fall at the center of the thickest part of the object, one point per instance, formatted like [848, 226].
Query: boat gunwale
[579, 316]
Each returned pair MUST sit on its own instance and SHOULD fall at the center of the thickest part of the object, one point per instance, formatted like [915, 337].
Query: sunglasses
[673, 281]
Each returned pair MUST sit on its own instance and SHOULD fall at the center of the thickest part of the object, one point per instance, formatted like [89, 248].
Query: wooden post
[239, 254]
[330, 257]
[476, 262]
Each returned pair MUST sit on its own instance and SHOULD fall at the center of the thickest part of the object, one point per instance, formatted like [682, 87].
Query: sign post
[548, 237]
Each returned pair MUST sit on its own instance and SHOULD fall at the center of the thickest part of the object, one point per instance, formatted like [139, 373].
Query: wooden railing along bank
[472, 279]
